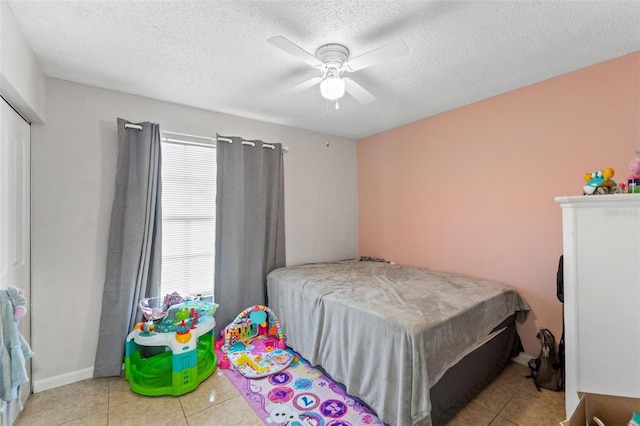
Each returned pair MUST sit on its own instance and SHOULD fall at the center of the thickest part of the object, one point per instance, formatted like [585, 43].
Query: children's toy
[184, 355]
[254, 344]
[633, 180]
[600, 182]
[152, 309]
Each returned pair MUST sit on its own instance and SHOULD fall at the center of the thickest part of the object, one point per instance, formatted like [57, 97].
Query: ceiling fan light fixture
[332, 87]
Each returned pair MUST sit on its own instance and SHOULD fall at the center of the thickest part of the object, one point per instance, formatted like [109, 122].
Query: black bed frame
[465, 380]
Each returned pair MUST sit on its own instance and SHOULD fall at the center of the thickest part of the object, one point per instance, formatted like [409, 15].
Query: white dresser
[601, 239]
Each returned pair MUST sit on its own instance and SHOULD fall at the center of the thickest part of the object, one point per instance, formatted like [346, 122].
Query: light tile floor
[509, 400]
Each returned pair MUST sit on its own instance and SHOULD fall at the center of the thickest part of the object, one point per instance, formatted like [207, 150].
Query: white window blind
[188, 217]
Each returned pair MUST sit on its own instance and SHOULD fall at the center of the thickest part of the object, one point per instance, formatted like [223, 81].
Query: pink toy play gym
[254, 344]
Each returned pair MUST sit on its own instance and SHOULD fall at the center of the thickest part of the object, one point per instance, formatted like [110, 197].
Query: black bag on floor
[545, 370]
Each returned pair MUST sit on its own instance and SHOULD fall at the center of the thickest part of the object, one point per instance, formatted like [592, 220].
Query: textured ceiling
[215, 55]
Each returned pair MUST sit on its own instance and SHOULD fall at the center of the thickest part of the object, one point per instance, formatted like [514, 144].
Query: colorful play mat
[301, 395]
[261, 357]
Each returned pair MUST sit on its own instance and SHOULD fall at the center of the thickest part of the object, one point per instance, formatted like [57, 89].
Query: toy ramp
[260, 357]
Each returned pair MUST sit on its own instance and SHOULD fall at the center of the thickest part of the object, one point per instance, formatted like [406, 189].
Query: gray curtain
[135, 247]
[249, 224]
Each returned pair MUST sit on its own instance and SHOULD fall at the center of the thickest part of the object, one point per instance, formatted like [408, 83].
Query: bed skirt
[466, 379]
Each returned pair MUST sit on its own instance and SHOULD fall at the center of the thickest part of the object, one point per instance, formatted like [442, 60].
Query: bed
[413, 344]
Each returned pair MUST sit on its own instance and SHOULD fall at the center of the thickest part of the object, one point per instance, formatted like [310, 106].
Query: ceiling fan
[333, 60]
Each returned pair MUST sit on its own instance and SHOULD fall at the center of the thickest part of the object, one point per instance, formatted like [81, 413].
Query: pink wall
[472, 190]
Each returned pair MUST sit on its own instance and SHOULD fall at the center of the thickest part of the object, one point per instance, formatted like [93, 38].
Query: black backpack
[545, 370]
[560, 294]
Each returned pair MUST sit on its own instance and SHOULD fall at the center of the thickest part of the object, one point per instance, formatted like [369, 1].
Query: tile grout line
[109, 401]
[184, 414]
[510, 399]
[217, 401]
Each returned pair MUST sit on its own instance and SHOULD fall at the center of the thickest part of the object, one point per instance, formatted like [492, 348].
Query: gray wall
[22, 82]
[73, 174]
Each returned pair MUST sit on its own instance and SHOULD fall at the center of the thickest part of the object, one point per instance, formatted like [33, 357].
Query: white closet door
[15, 212]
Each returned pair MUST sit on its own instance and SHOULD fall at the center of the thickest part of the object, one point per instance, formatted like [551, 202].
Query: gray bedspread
[387, 332]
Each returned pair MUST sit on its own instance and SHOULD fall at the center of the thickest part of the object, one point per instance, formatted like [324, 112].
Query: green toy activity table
[187, 360]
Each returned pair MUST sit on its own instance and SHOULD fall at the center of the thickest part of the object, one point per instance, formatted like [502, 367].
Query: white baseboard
[522, 358]
[61, 380]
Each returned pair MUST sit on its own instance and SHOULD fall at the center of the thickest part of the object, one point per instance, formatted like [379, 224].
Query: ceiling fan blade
[358, 92]
[295, 50]
[376, 56]
[305, 85]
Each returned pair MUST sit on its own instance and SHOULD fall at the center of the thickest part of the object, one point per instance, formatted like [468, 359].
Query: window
[188, 216]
